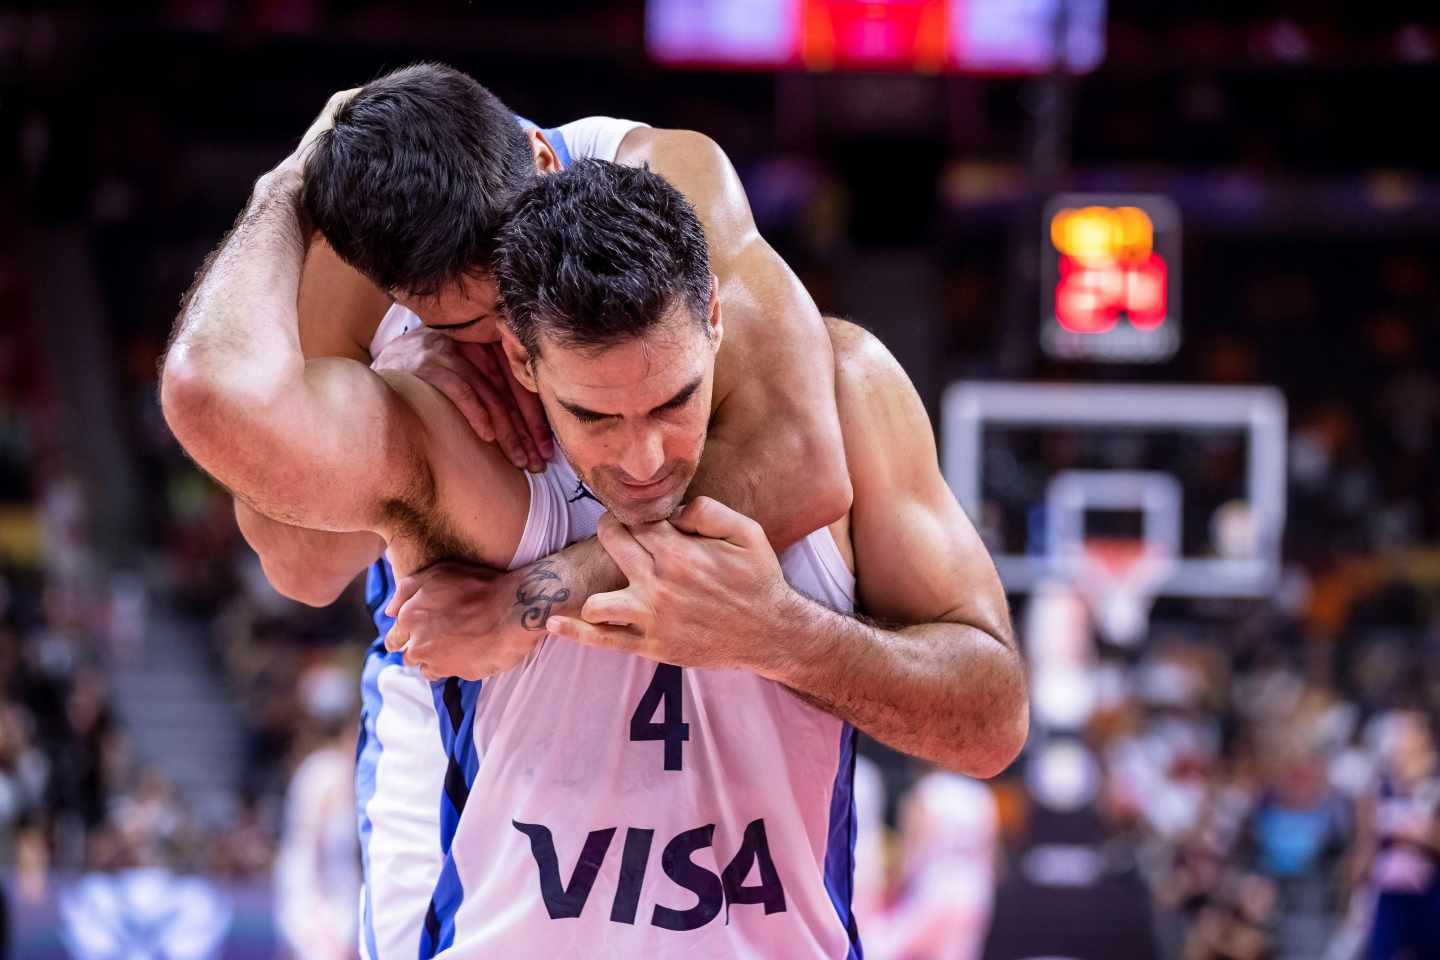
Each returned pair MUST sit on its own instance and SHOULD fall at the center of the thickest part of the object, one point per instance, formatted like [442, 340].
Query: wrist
[789, 635]
[541, 590]
[280, 183]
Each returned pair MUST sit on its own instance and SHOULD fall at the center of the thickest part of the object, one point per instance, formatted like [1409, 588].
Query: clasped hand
[705, 589]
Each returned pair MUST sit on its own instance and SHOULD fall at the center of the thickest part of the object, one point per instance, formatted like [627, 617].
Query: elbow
[1002, 744]
[826, 493]
[997, 737]
[185, 394]
[312, 588]
[833, 493]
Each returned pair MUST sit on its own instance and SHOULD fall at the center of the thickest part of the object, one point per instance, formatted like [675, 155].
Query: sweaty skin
[773, 416]
[332, 445]
[706, 591]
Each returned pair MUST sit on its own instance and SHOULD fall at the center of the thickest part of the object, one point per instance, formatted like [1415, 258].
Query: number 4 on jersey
[665, 687]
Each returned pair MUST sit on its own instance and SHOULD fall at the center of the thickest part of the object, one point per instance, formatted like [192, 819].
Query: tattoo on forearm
[538, 594]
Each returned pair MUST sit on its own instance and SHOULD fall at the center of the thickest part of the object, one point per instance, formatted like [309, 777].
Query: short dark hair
[412, 181]
[599, 253]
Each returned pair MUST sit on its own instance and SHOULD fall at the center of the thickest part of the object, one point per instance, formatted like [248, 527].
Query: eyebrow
[682, 395]
[457, 326]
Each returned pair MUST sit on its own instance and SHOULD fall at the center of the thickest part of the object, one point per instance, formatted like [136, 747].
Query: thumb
[617, 606]
[567, 627]
[404, 590]
[589, 634]
[707, 517]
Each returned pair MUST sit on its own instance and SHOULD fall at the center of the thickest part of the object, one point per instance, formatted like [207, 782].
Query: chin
[632, 514]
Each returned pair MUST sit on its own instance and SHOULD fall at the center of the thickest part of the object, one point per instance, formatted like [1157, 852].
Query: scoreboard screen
[1110, 278]
[933, 36]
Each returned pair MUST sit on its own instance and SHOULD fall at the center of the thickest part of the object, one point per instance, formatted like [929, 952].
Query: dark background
[1294, 138]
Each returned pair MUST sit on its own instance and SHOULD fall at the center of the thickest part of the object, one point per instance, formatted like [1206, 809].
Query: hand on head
[476, 378]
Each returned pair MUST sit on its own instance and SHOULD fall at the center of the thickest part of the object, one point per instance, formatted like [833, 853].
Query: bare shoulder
[865, 369]
[889, 440]
[646, 144]
[698, 167]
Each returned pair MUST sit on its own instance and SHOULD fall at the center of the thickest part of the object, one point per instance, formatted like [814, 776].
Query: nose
[644, 455]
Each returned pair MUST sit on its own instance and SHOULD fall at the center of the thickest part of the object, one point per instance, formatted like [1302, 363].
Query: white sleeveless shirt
[597, 804]
[623, 808]
[558, 810]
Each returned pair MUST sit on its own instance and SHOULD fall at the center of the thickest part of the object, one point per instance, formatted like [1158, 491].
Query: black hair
[600, 253]
[412, 181]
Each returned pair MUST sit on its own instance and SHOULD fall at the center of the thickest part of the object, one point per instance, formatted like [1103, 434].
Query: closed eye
[677, 401]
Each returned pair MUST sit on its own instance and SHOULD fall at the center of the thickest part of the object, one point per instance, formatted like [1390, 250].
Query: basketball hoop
[1118, 578]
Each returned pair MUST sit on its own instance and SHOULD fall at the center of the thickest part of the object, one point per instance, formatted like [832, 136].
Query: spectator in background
[1300, 832]
[1402, 827]
[317, 869]
[948, 836]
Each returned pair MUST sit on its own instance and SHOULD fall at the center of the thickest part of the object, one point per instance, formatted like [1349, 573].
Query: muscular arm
[339, 309]
[338, 313]
[324, 444]
[775, 451]
[950, 689]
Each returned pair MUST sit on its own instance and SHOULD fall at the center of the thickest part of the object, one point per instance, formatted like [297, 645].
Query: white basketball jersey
[593, 804]
[597, 804]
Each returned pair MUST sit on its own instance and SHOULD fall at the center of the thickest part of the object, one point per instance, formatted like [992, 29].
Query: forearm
[237, 334]
[559, 585]
[310, 566]
[788, 484]
[949, 693]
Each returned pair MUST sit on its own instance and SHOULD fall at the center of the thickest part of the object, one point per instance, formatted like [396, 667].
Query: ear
[519, 359]
[717, 323]
[546, 161]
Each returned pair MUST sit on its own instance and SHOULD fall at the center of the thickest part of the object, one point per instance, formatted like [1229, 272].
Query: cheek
[584, 449]
[684, 441]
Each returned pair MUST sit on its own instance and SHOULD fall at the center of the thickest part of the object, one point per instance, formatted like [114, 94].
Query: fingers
[469, 397]
[325, 120]
[404, 590]
[511, 432]
[632, 559]
[619, 607]
[529, 405]
[707, 517]
[655, 538]
[593, 635]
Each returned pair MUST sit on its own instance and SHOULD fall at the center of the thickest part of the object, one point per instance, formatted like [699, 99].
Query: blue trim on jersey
[379, 588]
[455, 708]
[367, 761]
[556, 138]
[840, 842]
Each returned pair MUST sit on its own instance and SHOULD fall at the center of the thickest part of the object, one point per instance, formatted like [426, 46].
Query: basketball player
[380, 191]
[604, 803]
[1400, 836]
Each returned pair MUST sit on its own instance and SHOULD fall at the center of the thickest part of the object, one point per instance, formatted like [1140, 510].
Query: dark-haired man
[406, 190]
[612, 796]
[380, 187]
